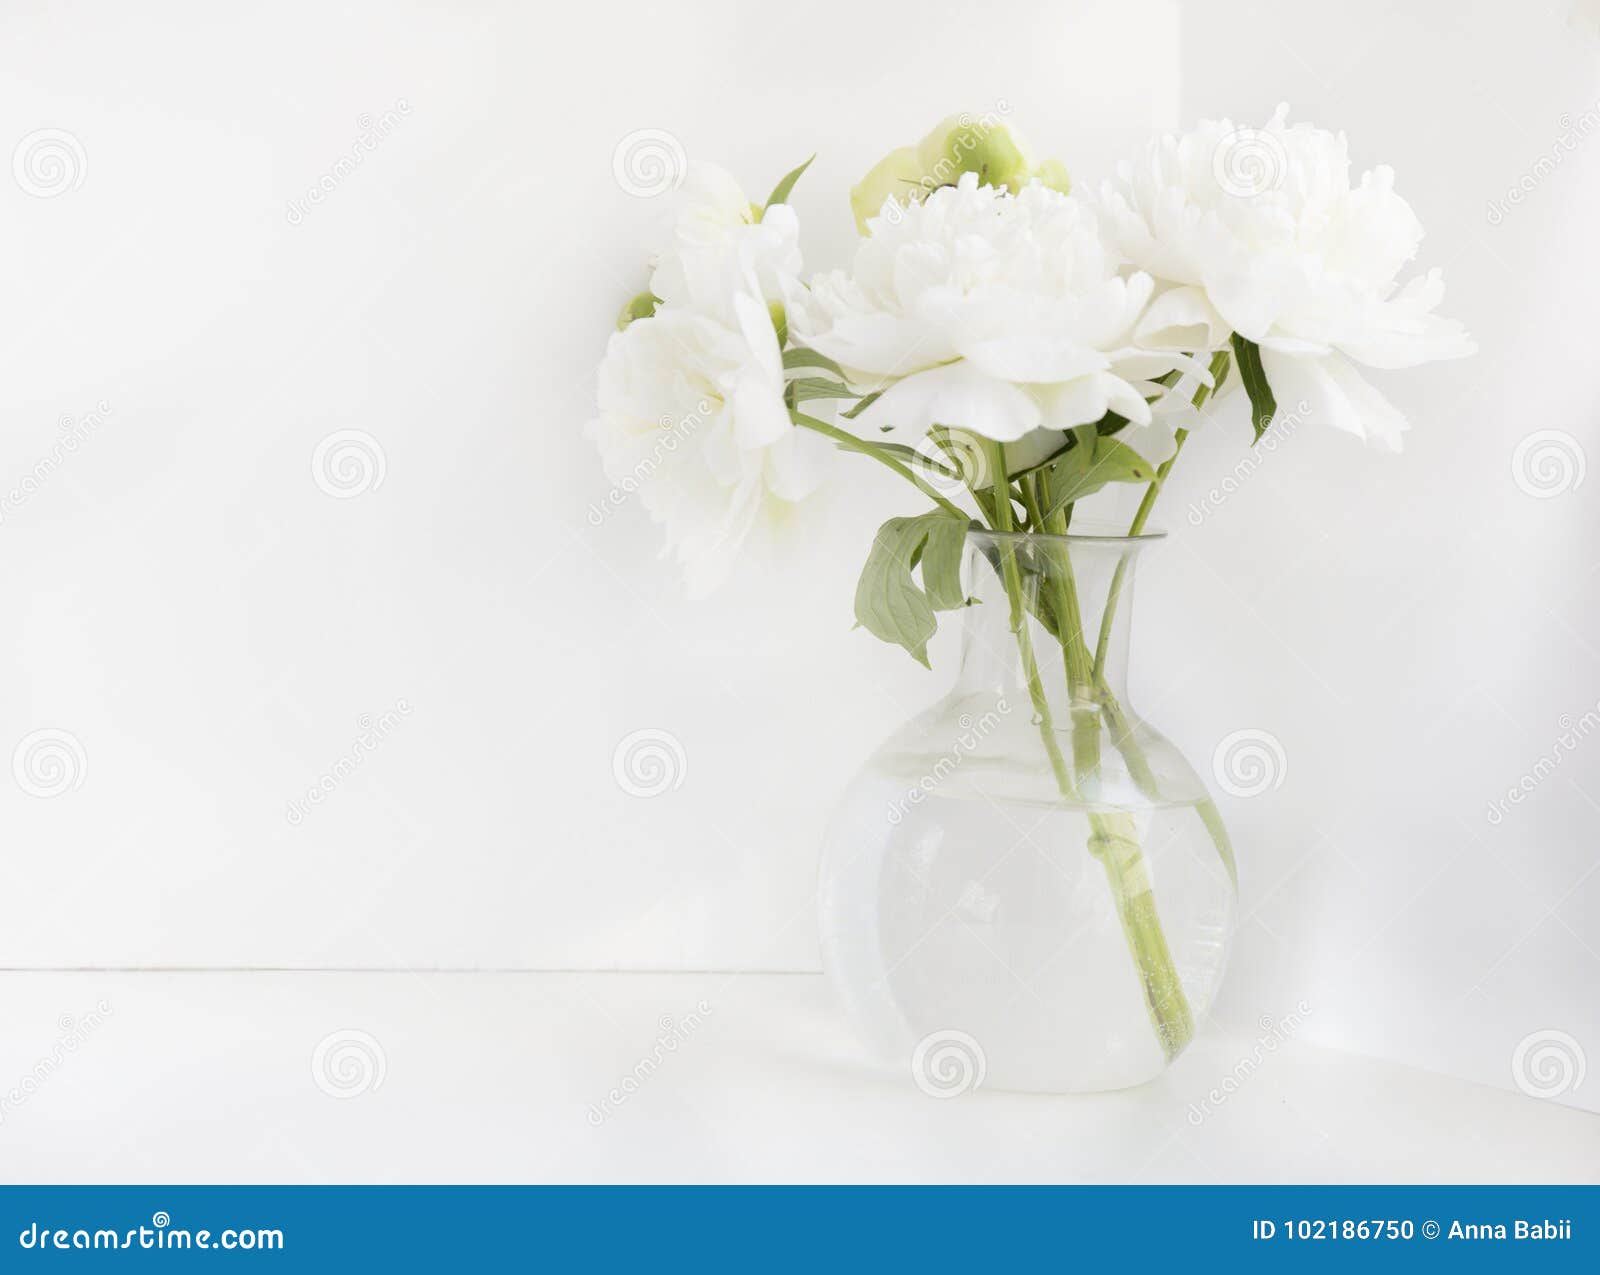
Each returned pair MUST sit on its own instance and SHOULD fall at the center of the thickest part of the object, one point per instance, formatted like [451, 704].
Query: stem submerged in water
[1115, 843]
[1113, 837]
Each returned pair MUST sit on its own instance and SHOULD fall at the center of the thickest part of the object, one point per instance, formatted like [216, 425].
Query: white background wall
[210, 626]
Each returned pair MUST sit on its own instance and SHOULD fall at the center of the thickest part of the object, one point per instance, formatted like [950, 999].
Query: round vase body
[1027, 886]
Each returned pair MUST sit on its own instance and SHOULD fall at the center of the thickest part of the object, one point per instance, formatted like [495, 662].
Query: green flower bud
[640, 307]
[1053, 173]
[960, 144]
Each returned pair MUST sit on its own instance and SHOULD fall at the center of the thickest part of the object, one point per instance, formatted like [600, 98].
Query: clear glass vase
[1027, 886]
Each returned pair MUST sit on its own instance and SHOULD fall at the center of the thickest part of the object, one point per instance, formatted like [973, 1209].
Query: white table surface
[197, 1077]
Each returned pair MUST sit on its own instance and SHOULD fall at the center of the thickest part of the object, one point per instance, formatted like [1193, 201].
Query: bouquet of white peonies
[1012, 347]
[992, 318]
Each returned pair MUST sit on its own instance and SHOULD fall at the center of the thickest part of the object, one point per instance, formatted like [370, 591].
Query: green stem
[1113, 837]
[1069, 626]
[1115, 841]
[1219, 369]
[1103, 644]
[851, 443]
[1011, 574]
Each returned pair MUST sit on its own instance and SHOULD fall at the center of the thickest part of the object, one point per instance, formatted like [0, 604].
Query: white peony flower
[692, 416]
[1002, 315]
[720, 241]
[692, 410]
[1259, 232]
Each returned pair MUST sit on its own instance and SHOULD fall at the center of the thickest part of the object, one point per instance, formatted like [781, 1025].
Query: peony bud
[960, 144]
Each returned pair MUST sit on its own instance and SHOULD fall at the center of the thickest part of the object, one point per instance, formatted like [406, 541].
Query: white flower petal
[1295, 347]
[795, 464]
[718, 245]
[1402, 331]
[1155, 440]
[958, 395]
[1336, 393]
[1087, 399]
[1034, 359]
[1034, 448]
[1182, 319]
[835, 317]
[1145, 365]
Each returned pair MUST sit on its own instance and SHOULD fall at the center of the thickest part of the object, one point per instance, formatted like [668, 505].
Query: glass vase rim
[1087, 532]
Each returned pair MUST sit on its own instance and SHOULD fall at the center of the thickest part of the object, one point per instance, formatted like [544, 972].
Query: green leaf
[941, 563]
[889, 602]
[1086, 468]
[805, 388]
[862, 406]
[1263, 407]
[911, 458]
[780, 192]
[985, 498]
[1220, 363]
[798, 356]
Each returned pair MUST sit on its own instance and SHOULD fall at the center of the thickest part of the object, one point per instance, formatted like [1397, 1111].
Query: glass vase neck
[1049, 614]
